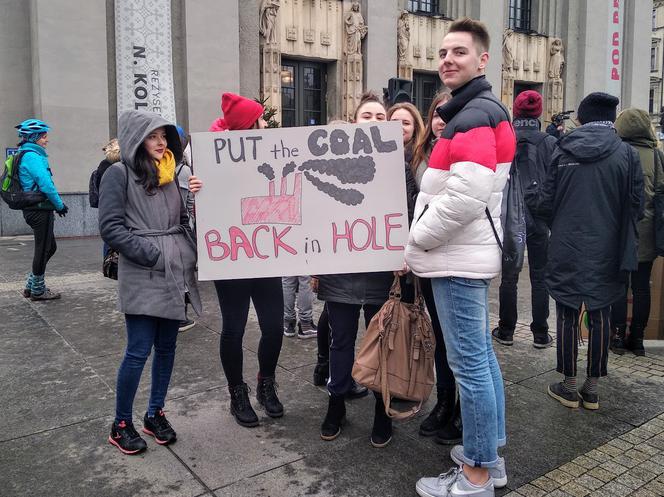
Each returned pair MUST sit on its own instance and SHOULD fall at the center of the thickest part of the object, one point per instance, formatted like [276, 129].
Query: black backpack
[93, 191]
[11, 191]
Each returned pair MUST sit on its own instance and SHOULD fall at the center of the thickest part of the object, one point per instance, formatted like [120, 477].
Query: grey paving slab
[77, 461]
[513, 365]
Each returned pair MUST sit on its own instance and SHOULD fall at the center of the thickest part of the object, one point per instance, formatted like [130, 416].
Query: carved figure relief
[508, 56]
[557, 61]
[356, 30]
[403, 36]
[268, 20]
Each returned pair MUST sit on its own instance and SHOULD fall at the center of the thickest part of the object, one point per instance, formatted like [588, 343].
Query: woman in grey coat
[142, 216]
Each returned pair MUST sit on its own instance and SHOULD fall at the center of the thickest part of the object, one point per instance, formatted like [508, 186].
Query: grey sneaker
[45, 295]
[498, 473]
[306, 329]
[452, 484]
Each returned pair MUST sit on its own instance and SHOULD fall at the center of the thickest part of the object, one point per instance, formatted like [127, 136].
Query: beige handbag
[397, 353]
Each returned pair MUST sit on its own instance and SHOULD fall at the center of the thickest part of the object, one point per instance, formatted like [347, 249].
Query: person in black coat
[533, 155]
[592, 198]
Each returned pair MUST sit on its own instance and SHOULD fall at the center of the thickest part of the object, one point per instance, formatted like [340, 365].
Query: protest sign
[300, 201]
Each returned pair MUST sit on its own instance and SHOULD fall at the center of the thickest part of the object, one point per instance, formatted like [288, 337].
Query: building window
[653, 58]
[425, 87]
[520, 15]
[427, 7]
[651, 101]
[302, 93]
[654, 19]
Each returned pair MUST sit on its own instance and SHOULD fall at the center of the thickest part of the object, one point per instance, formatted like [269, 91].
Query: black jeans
[323, 337]
[537, 241]
[41, 222]
[268, 299]
[343, 332]
[640, 283]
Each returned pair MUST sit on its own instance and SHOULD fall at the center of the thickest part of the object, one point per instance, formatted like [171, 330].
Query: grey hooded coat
[157, 253]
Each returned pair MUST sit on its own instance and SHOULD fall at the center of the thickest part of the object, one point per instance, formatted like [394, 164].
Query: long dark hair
[422, 148]
[146, 171]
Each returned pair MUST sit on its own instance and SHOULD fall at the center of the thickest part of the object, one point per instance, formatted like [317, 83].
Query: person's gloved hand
[63, 212]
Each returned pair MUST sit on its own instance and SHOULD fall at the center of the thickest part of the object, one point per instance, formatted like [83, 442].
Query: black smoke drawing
[288, 168]
[347, 170]
[347, 196]
[267, 170]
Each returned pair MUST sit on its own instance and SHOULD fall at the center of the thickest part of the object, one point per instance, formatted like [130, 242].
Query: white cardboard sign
[300, 201]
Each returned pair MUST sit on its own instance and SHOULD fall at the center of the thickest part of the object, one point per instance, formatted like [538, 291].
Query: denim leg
[141, 332]
[498, 386]
[462, 308]
[343, 332]
[289, 285]
[162, 363]
[266, 294]
[305, 299]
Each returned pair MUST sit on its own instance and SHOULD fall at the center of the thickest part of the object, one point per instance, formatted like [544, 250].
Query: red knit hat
[528, 104]
[239, 113]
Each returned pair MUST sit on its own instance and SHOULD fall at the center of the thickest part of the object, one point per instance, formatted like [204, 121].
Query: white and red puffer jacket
[468, 170]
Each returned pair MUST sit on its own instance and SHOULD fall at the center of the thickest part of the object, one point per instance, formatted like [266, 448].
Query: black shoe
[357, 391]
[440, 415]
[381, 433]
[306, 329]
[542, 341]
[241, 407]
[452, 432]
[617, 343]
[187, 324]
[289, 328]
[334, 419]
[159, 427]
[266, 395]
[635, 343]
[589, 400]
[321, 372]
[562, 395]
[503, 336]
[125, 437]
[27, 293]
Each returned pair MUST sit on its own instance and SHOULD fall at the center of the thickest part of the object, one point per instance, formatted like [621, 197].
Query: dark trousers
[343, 332]
[599, 325]
[41, 222]
[323, 336]
[537, 241]
[444, 376]
[143, 333]
[234, 297]
[639, 280]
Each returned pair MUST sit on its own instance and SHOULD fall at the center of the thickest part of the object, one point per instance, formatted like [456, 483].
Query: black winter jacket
[583, 200]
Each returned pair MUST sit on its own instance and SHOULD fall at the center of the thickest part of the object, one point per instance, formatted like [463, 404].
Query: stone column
[352, 77]
[380, 46]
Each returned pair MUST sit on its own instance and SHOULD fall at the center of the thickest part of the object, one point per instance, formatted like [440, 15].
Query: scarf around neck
[166, 168]
[461, 96]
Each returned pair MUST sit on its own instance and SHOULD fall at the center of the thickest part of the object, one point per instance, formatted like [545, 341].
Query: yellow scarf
[166, 168]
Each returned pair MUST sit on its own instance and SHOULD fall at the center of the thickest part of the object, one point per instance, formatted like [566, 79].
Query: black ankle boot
[335, 417]
[321, 371]
[452, 432]
[241, 407]
[381, 433]
[440, 415]
[356, 391]
[635, 342]
[617, 344]
[266, 395]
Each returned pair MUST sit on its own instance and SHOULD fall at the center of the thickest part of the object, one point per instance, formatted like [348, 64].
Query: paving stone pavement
[58, 362]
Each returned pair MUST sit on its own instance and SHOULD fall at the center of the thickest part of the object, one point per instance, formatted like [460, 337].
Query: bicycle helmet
[30, 127]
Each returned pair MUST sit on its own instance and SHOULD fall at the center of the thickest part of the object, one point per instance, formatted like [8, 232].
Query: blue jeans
[463, 310]
[144, 332]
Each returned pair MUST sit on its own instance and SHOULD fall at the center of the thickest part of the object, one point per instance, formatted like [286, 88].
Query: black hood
[590, 143]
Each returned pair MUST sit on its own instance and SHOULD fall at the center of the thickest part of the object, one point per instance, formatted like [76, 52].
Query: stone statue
[268, 21]
[557, 61]
[356, 30]
[508, 57]
[403, 35]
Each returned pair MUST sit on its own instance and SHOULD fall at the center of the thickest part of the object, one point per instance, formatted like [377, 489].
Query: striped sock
[38, 284]
[28, 282]
[590, 385]
[569, 383]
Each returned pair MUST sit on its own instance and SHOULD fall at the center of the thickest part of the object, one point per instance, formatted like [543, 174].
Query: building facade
[308, 59]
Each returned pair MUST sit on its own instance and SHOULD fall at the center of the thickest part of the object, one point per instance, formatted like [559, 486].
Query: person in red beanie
[234, 296]
[533, 154]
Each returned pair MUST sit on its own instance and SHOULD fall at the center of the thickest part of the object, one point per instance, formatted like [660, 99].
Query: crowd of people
[588, 196]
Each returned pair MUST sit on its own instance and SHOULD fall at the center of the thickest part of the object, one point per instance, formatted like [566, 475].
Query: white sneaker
[498, 473]
[453, 484]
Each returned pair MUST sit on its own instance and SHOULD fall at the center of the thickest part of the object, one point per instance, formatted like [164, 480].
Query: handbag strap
[493, 227]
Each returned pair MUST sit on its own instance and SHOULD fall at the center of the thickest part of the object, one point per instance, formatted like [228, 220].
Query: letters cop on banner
[300, 201]
[143, 57]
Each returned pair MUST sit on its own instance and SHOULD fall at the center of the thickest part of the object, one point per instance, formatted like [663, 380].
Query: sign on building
[300, 201]
[615, 48]
[143, 56]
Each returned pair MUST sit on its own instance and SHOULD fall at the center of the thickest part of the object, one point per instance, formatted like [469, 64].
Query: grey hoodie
[157, 254]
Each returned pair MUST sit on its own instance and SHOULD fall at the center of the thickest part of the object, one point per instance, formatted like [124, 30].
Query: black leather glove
[63, 212]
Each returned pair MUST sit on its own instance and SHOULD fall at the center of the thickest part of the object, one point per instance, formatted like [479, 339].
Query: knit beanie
[528, 104]
[597, 106]
[239, 113]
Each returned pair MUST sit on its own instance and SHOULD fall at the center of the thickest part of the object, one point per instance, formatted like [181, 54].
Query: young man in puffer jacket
[452, 242]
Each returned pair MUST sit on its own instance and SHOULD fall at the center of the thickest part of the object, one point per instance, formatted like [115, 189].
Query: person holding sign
[345, 295]
[142, 216]
[452, 242]
[235, 296]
